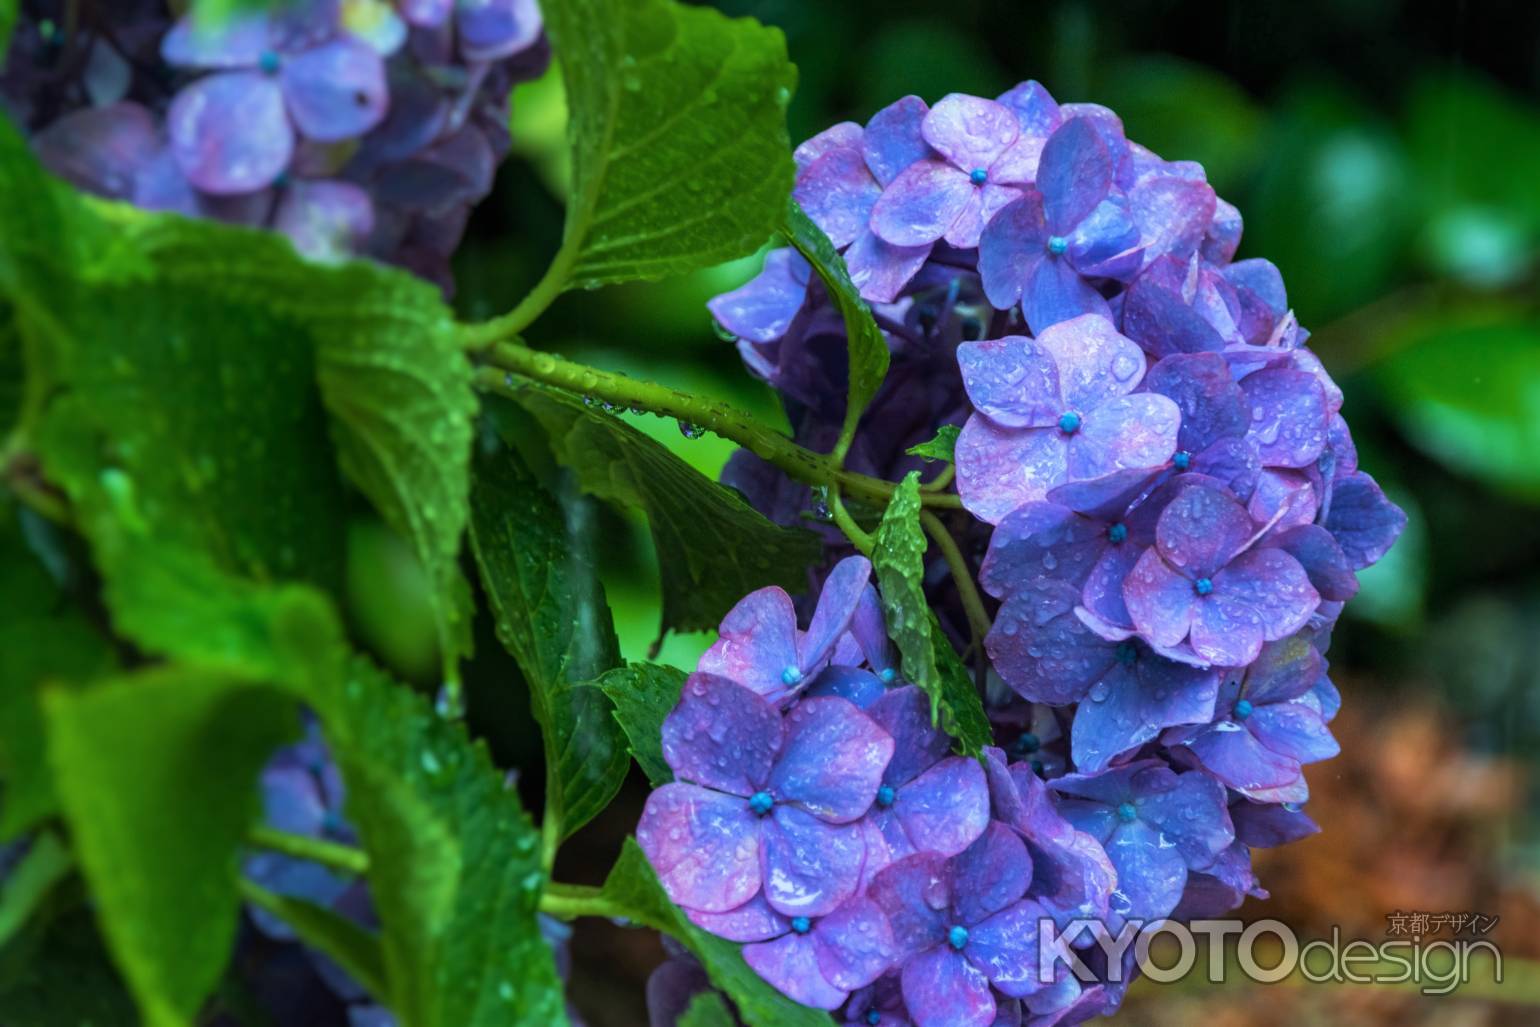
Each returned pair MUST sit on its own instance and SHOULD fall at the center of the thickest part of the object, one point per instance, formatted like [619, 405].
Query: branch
[973, 603]
[343, 858]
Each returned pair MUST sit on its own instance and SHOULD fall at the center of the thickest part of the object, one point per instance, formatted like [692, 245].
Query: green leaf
[867, 348]
[27, 884]
[454, 861]
[398, 389]
[713, 548]
[942, 447]
[58, 975]
[898, 557]
[537, 569]
[354, 949]
[1465, 387]
[632, 890]
[678, 134]
[707, 1010]
[644, 694]
[156, 773]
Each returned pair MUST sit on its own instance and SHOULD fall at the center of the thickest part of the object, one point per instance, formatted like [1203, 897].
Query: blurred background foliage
[1386, 155]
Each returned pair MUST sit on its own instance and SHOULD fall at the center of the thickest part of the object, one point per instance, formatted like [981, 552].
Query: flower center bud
[886, 796]
[267, 62]
[761, 803]
[1127, 813]
[978, 176]
[873, 1017]
[1203, 586]
[1126, 653]
[1069, 422]
[801, 924]
[888, 675]
[1028, 743]
[1037, 767]
[1057, 244]
[1243, 709]
[791, 675]
[1182, 460]
[1117, 533]
[957, 937]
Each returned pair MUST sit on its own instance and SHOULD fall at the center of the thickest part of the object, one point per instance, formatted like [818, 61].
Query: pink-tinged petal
[945, 809]
[1018, 164]
[1054, 292]
[969, 131]
[1289, 419]
[1161, 319]
[990, 874]
[998, 469]
[1201, 529]
[1160, 601]
[238, 41]
[1189, 811]
[1233, 755]
[1325, 564]
[1224, 234]
[1004, 947]
[915, 894]
[809, 867]
[832, 760]
[870, 629]
[1233, 464]
[1172, 214]
[943, 989]
[757, 643]
[1283, 497]
[1364, 523]
[325, 220]
[837, 192]
[1041, 539]
[1295, 730]
[860, 687]
[1035, 109]
[490, 29]
[790, 964]
[337, 90]
[1042, 649]
[893, 140]
[100, 149]
[836, 606]
[1010, 247]
[1263, 594]
[1106, 244]
[1102, 593]
[846, 135]
[752, 921]
[1124, 433]
[722, 735]
[1266, 827]
[229, 132]
[1074, 174]
[704, 845]
[921, 204]
[1284, 670]
[1212, 404]
[762, 309]
[904, 714]
[854, 944]
[161, 185]
[1012, 380]
[964, 232]
[880, 270]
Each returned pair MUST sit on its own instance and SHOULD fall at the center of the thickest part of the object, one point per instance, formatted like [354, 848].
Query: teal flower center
[888, 675]
[1182, 460]
[1057, 244]
[801, 924]
[1126, 653]
[1203, 586]
[978, 176]
[267, 62]
[1118, 533]
[1127, 813]
[957, 937]
[886, 796]
[761, 802]
[1069, 422]
[1028, 743]
[791, 675]
[873, 1017]
[1243, 709]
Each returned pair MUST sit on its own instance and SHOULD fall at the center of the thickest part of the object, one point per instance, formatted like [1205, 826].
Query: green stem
[941, 480]
[343, 858]
[770, 445]
[552, 284]
[853, 531]
[568, 901]
[973, 604]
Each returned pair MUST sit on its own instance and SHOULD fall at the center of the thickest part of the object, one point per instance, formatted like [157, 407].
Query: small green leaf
[713, 548]
[898, 557]
[156, 774]
[454, 860]
[707, 1010]
[633, 891]
[644, 694]
[27, 884]
[552, 616]
[354, 949]
[942, 447]
[678, 135]
[867, 348]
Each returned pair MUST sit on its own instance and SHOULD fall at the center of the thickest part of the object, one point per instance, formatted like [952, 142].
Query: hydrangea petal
[946, 808]
[100, 149]
[325, 220]
[990, 874]
[860, 687]
[1043, 650]
[1004, 947]
[1190, 813]
[1172, 213]
[1137, 705]
[1212, 404]
[810, 867]
[837, 192]
[1362, 520]
[1151, 875]
[229, 132]
[854, 944]
[752, 921]
[1009, 248]
[1235, 757]
[1261, 596]
[1124, 433]
[1289, 416]
[893, 140]
[337, 90]
[1041, 539]
[832, 760]
[762, 309]
[836, 605]
[915, 895]
[491, 29]
[756, 643]
[238, 41]
[704, 846]
[1012, 380]
[998, 469]
[879, 269]
[1284, 670]
[722, 736]
[790, 964]
[1295, 730]
[922, 203]
[1159, 600]
[969, 131]
[1074, 174]
[904, 713]
[943, 989]
[1201, 529]
[1054, 292]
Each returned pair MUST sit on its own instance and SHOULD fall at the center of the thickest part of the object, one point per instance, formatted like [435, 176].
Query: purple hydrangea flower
[818, 961]
[762, 801]
[1055, 409]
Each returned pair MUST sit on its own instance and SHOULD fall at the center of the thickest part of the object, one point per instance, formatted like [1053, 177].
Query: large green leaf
[678, 132]
[632, 890]
[25, 886]
[454, 861]
[58, 975]
[713, 548]
[898, 557]
[156, 774]
[537, 569]
[644, 694]
[356, 950]
[868, 350]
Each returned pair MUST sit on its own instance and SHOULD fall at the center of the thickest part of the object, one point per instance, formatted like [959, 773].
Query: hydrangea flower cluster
[1174, 518]
[352, 126]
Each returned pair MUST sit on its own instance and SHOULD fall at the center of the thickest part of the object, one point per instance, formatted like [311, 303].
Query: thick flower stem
[801, 464]
[569, 901]
[973, 603]
[846, 523]
[343, 858]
